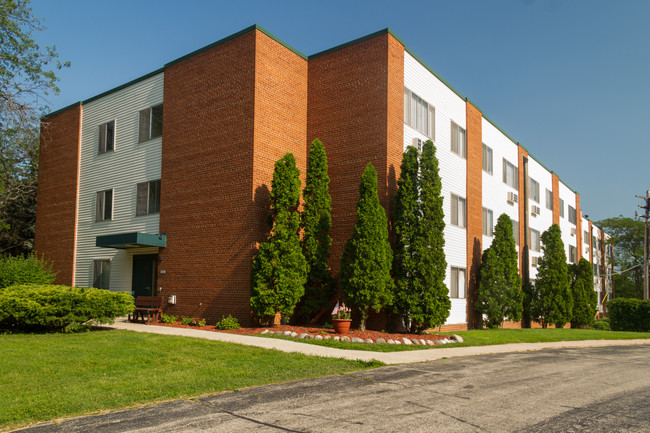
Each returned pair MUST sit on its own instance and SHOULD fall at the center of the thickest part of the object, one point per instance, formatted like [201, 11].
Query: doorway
[145, 272]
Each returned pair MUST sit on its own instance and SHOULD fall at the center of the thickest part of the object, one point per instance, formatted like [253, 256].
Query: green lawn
[485, 337]
[47, 376]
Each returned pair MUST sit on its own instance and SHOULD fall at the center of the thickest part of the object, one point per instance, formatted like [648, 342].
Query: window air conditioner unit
[573, 232]
[418, 143]
[534, 211]
[533, 261]
[512, 197]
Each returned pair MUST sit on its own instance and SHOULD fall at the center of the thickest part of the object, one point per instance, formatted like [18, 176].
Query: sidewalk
[385, 357]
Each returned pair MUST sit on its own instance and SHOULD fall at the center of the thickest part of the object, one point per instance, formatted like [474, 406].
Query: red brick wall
[474, 208]
[58, 179]
[355, 107]
[217, 164]
[556, 199]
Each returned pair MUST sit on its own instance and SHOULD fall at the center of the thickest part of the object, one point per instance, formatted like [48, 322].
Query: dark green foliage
[629, 314]
[499, 292]
[421, 297]
[585, 299]
[168, 319]
[627, 239]
[59, 308]
[552, 301]
[601, 325]
[24, 270]
[228, 323]
[280, 270]
[366, 260]
[316, 221]
[187, 321]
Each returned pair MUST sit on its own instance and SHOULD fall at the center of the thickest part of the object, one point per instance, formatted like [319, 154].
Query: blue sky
[568, 79]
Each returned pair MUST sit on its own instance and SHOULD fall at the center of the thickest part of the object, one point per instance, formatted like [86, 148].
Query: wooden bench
[149, 306]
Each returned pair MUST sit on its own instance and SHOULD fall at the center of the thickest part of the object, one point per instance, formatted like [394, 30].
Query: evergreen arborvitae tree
[280, 269]
[499, 288]
[315, 222]
[366, 260]
[552, 302]
[585, 299]
[433, 308]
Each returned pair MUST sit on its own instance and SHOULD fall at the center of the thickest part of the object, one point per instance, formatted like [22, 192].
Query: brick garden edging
[407, 341]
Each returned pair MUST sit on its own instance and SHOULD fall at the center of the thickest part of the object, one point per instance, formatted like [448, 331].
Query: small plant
[228, 323]
[168, 319]
[199, 323]
[341, 312]
[327, 325]
[187, 321]
[601, 325]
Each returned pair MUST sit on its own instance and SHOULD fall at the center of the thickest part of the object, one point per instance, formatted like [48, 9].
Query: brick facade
[58, 181]
[474, 185]
[556, 199]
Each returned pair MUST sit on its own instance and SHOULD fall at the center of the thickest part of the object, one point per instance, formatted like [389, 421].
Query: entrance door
[145, 269]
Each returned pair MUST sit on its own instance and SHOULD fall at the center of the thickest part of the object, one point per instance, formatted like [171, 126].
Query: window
[533, 240]
[596, 269]
[458, 282]
[418, 114]
[572, 254]
[515, 231]
[488, 227]
[534, 189]
[148, 199]
[510, 175]
[458, 140]
[586, 237]
[101, 274]
[561, 208]
[458, 211]
[150, 123]
[104, 205]
[572, 215]
[549, 200]
[487, 159]
[106, 137]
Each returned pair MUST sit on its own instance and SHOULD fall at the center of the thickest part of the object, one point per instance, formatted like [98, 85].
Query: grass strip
[48, 376]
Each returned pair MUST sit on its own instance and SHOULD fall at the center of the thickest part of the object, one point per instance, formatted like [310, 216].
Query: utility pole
[646, 216]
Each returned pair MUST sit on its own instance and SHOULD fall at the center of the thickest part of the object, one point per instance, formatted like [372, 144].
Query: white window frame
[458, 140]
[488, 159]
[419, 114]
[573, 254]
[102, 274]
[104, 212]
[488, 222]
[534, 189]
[145, 124]
[515, 231]
[455, 289]
[510, 167]
[534, 242]
[549, 199]
[561, 208]
[458, 211]
[145, 192]
[106, 140]
[573, 215]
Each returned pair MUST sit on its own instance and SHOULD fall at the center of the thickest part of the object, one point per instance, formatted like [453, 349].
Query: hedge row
[59, 308]
[629, 314]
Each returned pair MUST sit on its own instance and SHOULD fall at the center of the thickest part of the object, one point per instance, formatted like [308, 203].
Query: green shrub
[59, 308]
[25, 270]
[199, 323]
[168, 319]
[187, 321]
[228, 323]
[629, 314]
[601, 325]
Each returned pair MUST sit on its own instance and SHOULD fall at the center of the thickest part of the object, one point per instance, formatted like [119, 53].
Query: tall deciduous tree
[280, 269]
[552, 302]
[627, 240]
[316, 222]
[420, 265]
[367, 257]
[499, 291]
[585, 299]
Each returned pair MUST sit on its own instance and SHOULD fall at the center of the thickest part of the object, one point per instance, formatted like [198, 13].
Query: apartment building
[161, 185]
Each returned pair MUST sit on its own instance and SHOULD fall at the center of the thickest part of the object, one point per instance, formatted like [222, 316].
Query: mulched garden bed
[372, 335]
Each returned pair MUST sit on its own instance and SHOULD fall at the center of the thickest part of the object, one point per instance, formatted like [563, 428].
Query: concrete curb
[385, 357]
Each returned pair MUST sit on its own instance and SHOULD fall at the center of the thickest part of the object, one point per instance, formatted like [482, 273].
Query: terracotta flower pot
[341, 326]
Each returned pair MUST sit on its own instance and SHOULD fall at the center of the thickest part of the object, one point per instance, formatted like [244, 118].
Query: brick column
[474, 209]
[58, 184]
[556, 199]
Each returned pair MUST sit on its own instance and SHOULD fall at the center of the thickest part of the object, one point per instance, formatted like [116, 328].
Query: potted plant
[341, 318]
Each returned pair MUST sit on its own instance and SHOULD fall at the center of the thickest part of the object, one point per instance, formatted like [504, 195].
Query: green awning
[132, 240]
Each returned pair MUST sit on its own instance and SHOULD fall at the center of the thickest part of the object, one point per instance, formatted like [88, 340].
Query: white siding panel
[585, 246]
[569, 198]
[449, 106]
[121, 170]
[544, 220]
